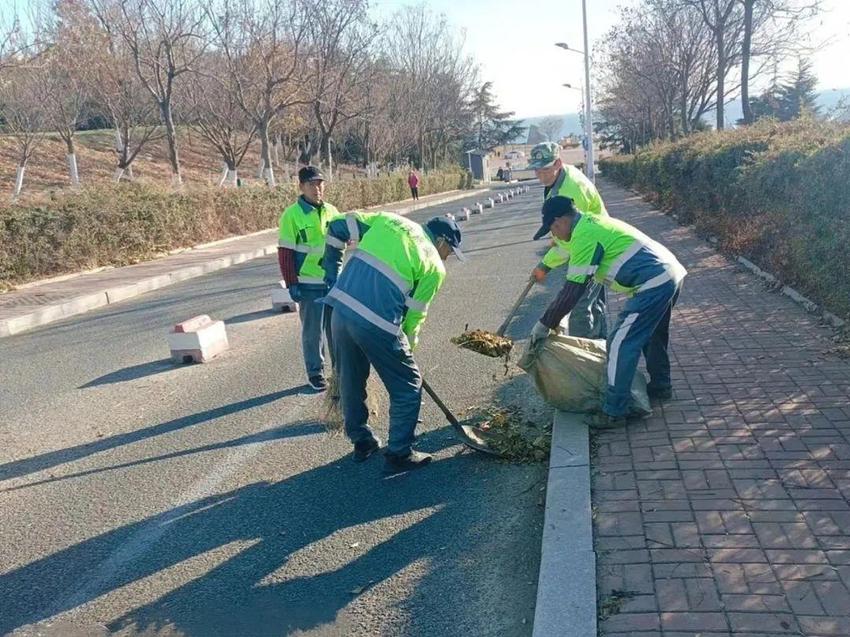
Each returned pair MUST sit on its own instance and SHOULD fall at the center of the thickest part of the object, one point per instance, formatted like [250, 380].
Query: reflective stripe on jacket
[619, 256]
[393, 274]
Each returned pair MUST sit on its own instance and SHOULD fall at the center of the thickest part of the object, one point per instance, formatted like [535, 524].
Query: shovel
[472, 437]
[504, 325]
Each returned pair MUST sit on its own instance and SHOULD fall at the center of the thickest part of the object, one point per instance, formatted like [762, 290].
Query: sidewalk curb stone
[566, 589]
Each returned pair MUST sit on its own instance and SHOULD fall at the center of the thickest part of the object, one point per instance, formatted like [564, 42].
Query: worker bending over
[380, 301]
[587, 318]
[621, 257]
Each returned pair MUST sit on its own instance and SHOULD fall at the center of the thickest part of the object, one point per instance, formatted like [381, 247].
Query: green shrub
[778, 194]
[126, 223]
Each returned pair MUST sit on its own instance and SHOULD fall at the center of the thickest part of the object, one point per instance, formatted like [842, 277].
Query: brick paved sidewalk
[726, 512]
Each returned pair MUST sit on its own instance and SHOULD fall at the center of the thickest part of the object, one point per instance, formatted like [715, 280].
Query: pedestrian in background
[413, 182]
[301, 244]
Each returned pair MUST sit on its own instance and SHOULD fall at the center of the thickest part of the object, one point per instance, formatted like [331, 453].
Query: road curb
[114, 294]
[566, 587]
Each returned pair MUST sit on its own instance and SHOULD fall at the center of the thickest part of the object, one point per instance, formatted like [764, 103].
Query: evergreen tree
[491, 127]
[798, 95]
[789, 100]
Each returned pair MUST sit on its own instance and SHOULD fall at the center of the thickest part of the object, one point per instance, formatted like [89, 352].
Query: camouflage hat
[544, 155]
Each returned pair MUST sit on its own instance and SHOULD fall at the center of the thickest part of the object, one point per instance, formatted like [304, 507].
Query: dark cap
[310, 173]
[448, 230]
[553, 208]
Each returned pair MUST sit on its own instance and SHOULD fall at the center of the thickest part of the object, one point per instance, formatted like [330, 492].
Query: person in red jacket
[413, 182]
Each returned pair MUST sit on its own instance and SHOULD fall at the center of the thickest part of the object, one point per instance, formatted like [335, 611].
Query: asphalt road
[142, 498]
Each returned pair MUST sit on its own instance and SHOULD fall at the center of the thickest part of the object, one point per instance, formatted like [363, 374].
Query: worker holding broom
[300, 248]
[623, 258]
[587, 319]
[380, 301]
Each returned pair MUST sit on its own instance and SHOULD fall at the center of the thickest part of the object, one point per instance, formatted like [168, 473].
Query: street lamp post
[588, 121]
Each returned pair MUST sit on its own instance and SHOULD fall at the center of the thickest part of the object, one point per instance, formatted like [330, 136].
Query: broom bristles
[333, 409]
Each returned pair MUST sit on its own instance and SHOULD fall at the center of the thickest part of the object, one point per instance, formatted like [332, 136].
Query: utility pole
[588, 121]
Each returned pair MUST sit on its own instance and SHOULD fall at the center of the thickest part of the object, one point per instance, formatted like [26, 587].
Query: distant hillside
[827, 100]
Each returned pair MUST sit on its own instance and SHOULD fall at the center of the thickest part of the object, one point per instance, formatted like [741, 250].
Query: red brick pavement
[726, 512]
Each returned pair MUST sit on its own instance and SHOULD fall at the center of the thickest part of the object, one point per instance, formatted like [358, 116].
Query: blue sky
[514, 44]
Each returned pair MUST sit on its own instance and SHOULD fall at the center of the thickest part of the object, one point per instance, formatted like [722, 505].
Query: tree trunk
[19, 181]
[721, 76]
[71, 156]
[265, 155]
[171, 138]
[327, 149]
[746, 48]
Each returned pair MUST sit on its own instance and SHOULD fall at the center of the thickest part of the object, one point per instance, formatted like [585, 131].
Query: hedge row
[777, 194]
[127, 223]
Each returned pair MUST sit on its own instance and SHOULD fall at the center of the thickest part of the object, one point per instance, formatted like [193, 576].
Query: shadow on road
[18, 468]
[296, 429]
[270, 585]
[133, 372]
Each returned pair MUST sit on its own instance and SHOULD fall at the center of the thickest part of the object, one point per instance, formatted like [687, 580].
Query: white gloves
[539, 333]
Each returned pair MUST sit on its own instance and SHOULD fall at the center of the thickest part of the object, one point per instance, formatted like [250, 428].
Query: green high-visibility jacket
[302, 228]
[574, 184]
[393, 274]
[619, 256]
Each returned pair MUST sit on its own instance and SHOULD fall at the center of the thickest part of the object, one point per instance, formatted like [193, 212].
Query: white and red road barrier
[463, 214]
[479, 209]
[197, 340]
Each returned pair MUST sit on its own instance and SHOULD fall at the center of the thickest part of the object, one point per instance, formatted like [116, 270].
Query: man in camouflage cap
[587, 319]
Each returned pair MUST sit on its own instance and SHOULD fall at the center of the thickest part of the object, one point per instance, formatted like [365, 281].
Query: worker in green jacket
[380, 302]
[301, 245]
[587, 319]
[621, 257]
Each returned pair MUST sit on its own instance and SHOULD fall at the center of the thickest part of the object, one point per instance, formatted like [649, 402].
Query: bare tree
[214, 111]
[263, 48]
[433, 73]
[164, 39]
[551, 127]
[118, 88]
[66, 79]
[23, 113]
[338, 43]
[725, 19]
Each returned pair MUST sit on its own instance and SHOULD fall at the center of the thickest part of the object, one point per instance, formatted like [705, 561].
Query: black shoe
[400, 464]
[606, 421]
[365, 448]
[660, 393]
[318, 383]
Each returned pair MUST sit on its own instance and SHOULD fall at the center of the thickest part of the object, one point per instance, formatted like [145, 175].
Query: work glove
[539, 333]
[538, 275]
[295, 293]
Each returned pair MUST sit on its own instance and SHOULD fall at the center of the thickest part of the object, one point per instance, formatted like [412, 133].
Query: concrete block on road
[463, 215]
[490, 203]
[478, 209]
[282, 299]
[500, 197]
[198, 340]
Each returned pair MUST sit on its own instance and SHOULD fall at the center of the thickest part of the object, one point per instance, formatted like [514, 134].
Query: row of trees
[669, 63]
[307, 78]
